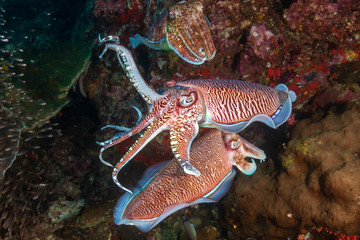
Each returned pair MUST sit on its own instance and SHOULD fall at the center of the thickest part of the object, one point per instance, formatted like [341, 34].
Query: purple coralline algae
[262, 41]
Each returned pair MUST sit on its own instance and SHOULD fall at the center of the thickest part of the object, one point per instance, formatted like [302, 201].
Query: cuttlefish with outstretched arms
[228, 105]
[165, 188]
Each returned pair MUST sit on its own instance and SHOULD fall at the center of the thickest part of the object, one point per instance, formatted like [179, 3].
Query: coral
[226, 27]
[24, 194]
[108, 7]
[306, 45]
[61, 209]
[317, 185]
[322, 19]
[262, 41]
[115, 12]
[51, 74]
[36, 76]
[35, 83]
[47, 183]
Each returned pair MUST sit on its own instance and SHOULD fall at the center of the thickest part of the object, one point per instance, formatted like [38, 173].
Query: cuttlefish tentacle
[155, 117]
[155, 113]
[127, 62]
[116, 138]
[119, 128]
[243, 149]
[158, 125]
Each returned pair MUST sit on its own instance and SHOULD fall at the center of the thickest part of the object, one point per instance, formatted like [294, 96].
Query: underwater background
[56, 95]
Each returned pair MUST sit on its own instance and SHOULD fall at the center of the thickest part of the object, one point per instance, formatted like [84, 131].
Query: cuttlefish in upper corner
[165, 188]
[184, 29]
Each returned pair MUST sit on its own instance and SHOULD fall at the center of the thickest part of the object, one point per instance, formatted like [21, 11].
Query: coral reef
[312, 46]
[36, 77]
[306, 44]
[38, 68]
[318, 186]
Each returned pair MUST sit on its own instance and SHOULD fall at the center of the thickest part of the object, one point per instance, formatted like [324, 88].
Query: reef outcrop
[317, 185]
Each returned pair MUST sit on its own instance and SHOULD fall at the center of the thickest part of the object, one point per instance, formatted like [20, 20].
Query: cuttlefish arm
[118, 138]
[185, 128]
[128, 64]
[150, 96]
[165, 110]
[155, 127]
[181, 139]
[156, 121]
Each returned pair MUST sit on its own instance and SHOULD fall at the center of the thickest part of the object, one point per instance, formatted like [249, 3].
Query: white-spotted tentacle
[110, 38]
[128, 64]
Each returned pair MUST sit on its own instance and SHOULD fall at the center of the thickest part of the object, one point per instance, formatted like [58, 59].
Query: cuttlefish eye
[235, 144]
[186, 101]
[171, 14]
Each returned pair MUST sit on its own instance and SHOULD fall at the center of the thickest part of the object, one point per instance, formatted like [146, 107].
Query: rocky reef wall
[317, 186]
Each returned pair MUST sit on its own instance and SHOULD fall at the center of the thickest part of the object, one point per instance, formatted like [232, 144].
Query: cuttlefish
[184, 29]
[165, 188]
[228, 105]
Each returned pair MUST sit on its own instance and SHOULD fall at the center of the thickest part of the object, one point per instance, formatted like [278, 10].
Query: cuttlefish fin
[284, 111]
[127, 197]
[181, 137]
[238, 127]
[220, 190]
[246, 149]
[161, 44]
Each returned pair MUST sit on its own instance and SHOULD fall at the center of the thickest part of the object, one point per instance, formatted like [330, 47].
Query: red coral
[124, 11]
[108, 7]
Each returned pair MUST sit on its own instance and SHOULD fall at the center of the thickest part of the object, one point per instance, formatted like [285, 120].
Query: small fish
[189, 229]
